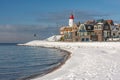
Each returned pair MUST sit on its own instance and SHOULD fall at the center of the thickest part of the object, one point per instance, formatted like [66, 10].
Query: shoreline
[58, 65]
[89, 61]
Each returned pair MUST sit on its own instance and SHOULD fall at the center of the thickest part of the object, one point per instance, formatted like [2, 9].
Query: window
[82, 34]
[69, 35]
[105, 34]
[108, 34]
[113, 34]
[83, 39]
[92, 33]
[119, 35]
[88, 33]
[95, 27]
[117, 28]
[99, 26]
[85, 33]
[89, 27]
[106, 27]
[82, 27]
[87, 39]
[76, 33]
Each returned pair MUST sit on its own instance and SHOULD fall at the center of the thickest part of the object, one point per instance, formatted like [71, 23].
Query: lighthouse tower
[71, 20]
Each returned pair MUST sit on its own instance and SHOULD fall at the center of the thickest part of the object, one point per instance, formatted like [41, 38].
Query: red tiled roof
[110, 21]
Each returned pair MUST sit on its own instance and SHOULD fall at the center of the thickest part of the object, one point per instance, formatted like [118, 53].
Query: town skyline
[20, 19]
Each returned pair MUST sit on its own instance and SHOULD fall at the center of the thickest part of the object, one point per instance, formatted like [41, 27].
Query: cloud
[24, 33]
[53, 20]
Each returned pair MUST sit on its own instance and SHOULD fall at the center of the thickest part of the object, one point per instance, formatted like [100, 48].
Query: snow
[114, 39]
[100, 23]
[88, 61]
[54, 38]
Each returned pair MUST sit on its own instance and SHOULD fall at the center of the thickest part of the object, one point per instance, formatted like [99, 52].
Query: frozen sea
[22, 62]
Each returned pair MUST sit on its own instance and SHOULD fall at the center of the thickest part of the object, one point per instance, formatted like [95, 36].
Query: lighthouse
[71, 20]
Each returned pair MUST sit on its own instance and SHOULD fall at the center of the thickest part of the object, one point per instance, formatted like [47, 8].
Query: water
[18, 62]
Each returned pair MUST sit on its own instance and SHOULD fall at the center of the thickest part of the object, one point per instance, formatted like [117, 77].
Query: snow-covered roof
[62, 28]
[116, 24]
[100, 23]
[54, 38]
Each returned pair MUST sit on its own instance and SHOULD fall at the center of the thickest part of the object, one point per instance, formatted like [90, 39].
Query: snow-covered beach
[89, 60]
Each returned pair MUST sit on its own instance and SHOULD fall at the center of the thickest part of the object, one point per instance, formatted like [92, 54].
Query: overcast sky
[21, 19]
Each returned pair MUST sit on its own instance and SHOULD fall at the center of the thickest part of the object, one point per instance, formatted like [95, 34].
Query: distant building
[71, 20]
[110, 22]
[106, 30]
[115, 31]
[85, 32]
[91, 30]
[98, 31]
[69, 33]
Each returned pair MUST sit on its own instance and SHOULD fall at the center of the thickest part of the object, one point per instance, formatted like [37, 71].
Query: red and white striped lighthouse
[71, 20]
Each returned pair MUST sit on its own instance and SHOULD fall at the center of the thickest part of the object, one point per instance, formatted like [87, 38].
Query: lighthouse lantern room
[71, 20]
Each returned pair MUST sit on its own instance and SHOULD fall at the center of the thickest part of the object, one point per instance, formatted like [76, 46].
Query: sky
[21, 19]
